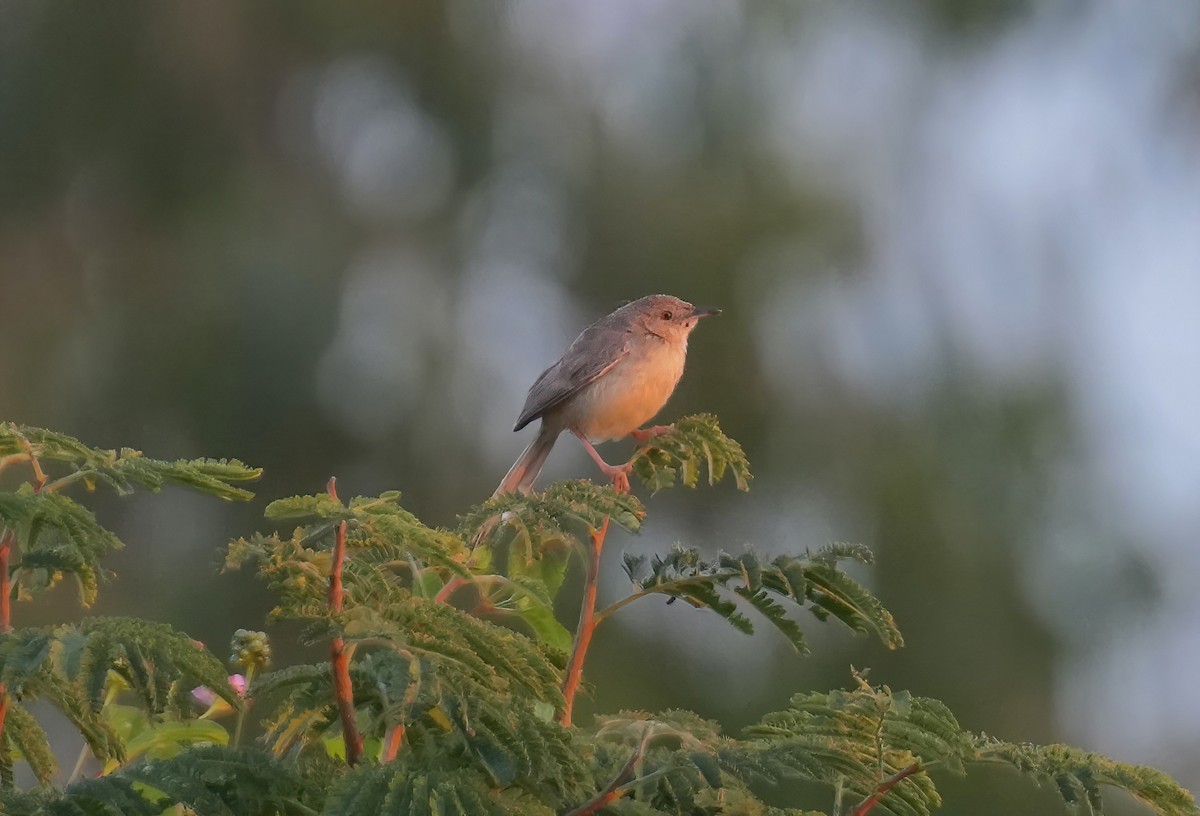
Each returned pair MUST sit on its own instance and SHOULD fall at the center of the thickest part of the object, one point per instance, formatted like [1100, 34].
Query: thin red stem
[6, 543]
[587, 624]
[615, 789]
[39, 475]
[343, 691]
[864, 807]
[450, 588]
[394, 741]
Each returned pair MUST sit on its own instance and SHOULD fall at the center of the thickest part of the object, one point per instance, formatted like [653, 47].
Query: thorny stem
[617, 788]
[864, 807]
[342, 689]
[587, 625]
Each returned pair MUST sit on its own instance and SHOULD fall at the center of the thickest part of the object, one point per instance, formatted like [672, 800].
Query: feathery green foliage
[813, 581]
[56, 536]
[858, 739]
[460, 715]
[677, 454]
[564, 512]
[399, 790]
[73, 667]
[1078, 775]
[389, 551]
[122, 470]
[107, 796]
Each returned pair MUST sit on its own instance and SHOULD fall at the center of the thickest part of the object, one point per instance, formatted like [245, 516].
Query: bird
[617, 375]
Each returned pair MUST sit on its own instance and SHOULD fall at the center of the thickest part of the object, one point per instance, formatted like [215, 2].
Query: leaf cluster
[678, 454]
[74, 667]
[123, 470]
[813, 582]
[388, 550]
[863, 740]
[56, 536]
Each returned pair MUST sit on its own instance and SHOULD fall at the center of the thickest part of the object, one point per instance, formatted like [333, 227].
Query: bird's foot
[619, 475]
[644, 435]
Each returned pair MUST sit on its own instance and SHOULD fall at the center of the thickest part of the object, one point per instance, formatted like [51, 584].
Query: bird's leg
[619, 474]
[644, 435]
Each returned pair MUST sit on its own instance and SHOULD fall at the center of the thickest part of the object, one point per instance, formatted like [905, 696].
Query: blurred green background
[956, 244]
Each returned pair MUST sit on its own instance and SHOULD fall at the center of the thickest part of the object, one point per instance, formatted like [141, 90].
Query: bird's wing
[591, 356]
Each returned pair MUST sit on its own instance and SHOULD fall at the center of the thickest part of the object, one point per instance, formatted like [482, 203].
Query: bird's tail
[529, 464]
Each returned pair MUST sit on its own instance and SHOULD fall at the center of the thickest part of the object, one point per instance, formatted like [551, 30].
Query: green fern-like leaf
[858, 739]
[122, 470]
[106, 796]
[220, 781]
[398, 790]
[678, 454]
[565, 511]
[390, 553]
[1080, 775]
[28, 741]
[813, 581]
[491, 655]
[155, 660]
[57, 536]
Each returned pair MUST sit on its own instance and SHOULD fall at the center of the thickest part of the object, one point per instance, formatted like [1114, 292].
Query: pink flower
[208, 698]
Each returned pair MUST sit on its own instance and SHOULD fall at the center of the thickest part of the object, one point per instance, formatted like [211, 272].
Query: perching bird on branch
[616, 375]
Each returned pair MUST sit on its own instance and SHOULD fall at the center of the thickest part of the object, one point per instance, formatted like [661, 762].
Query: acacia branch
[6, 543]
[864, 807]
[451, 586]
[343, 691]
[617, 788]
[587, 624]
[38, 474]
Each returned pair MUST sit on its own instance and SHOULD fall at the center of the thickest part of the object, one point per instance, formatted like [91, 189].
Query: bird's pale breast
[629, 395]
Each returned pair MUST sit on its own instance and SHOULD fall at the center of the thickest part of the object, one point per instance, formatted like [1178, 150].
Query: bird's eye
[666, 315]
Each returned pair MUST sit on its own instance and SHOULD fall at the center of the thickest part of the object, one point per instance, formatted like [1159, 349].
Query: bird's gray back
[596, 350]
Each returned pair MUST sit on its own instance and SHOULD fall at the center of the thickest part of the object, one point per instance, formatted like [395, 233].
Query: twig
[12, 459]
[6, 542]
[617, 788]
[864, 807]
[38, 474]
[342, 689]
[587, 624]
[394, 741]
[450, 588]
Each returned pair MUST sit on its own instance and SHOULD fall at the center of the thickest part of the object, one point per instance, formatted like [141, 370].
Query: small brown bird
[616, 375]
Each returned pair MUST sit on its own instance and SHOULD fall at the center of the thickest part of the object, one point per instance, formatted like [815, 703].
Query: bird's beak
[705, 311]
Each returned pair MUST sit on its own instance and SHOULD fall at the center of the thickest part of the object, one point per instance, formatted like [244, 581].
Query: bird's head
[667, 317]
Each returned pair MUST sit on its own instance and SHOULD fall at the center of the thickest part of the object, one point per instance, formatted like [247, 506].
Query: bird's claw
[619, 474]
[644, 435]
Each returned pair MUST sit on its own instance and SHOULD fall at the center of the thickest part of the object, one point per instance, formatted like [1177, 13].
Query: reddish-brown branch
[6, 543]
[450, 588]
[864, 807]
[587, 624]
[615, 789]
[39, 475]
[394, 741]
[343, 691]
